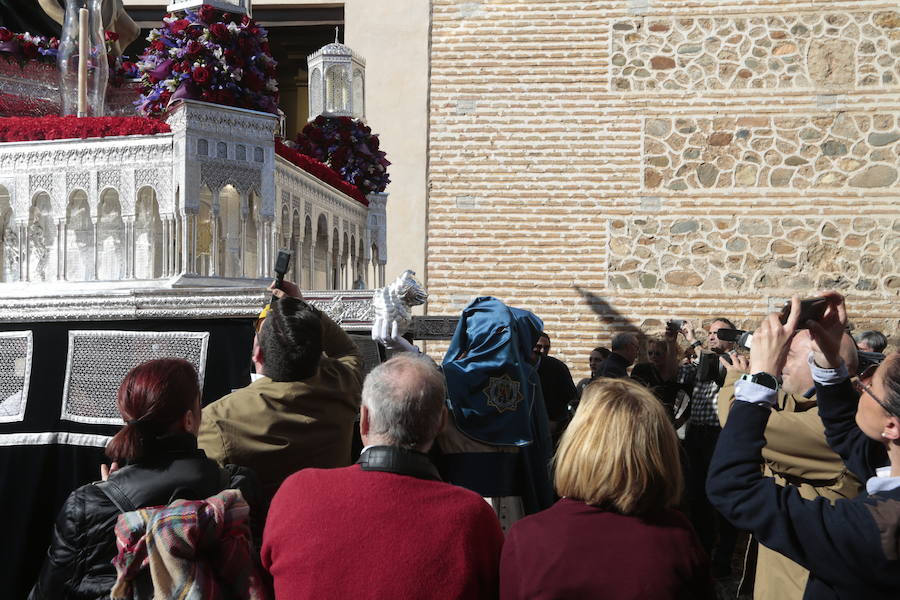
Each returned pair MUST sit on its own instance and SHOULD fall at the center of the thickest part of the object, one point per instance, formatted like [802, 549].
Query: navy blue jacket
[851, 548]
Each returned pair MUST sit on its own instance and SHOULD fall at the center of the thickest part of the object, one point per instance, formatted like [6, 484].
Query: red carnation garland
[29, 129]
[320, 171]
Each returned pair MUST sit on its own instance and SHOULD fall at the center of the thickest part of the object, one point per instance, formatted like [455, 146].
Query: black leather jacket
[79, 560]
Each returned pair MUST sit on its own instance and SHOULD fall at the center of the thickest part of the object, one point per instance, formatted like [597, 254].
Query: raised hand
[771, 341]
[827, 333]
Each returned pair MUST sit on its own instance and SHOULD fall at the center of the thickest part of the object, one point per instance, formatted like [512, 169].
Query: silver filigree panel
[15, 373]
[99, 360]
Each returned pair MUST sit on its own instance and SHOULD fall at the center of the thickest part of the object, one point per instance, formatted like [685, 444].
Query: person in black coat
[160, 403]
[851, 548]
[624, 352]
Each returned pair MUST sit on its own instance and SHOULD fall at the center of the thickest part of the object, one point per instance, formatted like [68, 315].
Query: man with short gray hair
[387, 527]
[624, 348]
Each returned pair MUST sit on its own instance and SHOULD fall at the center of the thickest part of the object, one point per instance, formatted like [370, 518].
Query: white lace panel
[15, 373]
[99, 360]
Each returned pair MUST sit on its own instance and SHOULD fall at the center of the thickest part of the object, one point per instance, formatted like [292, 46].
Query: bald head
[403, 403]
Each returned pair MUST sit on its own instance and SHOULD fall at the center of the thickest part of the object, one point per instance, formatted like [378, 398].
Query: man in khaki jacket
[796, 452]
[302, 411]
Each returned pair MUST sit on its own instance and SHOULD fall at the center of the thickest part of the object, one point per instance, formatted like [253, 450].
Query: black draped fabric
[27, 16]
[38, 472]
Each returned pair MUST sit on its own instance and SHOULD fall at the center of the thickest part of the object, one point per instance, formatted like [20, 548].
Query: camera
[868, 359]
[742, 338]
[675, 325]
[811, 309]
[710, 369]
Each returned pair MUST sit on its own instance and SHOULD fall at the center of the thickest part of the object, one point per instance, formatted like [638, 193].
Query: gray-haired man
[409, 534]
[624, 348]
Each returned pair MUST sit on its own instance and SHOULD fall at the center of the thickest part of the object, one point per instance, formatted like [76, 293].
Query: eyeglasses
[865, 388]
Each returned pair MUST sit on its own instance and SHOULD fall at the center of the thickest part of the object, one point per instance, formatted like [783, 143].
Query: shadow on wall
[608, 315]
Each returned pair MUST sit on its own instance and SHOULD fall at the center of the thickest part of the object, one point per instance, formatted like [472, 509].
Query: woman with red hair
[159, 401]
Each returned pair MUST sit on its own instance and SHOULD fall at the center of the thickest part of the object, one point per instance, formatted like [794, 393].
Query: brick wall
[612, 164]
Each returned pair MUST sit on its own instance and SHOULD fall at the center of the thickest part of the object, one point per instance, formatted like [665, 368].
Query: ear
[363, 421]
[443, 419]
[256, 355]
[892, 429]
[190, 422]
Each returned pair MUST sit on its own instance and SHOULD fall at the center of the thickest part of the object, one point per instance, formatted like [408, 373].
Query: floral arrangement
[349, 147]
[26, 106]
[319, 170]
[22, 129]
[120, 67]
[23, 47]
[208, 55]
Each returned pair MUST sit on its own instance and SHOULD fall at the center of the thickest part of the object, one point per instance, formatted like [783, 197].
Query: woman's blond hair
[620, 450]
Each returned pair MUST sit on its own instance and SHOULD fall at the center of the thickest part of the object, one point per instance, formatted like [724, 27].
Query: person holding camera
[660, 371]
[797, 453]
[850, 547]
[716, 533]
[302, 411]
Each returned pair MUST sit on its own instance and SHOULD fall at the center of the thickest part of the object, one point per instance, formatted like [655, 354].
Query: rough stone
[795, 161]
[657, 127]
[652, 178]
[620, 281]
[882, 155]
[684, 278]
[863, 224]
[689, 49]
[785, 264]
[754, 227]
[642, 73]
[677, 186]
[866, 285]
[745, 73]
[684, 226]
[892, 283]
[658, 161]
[784, 49]
[701, 248]
[831, 62]
[720, 138]
[888, 19]
[662, 63]
[745, 175]
[692, 153]
[736, 244]
[875, 176]
[659, 27]
[883, 139]
[851, 164]
[647, 280]
[831, 178]
[734, 280]
[623, 26]
[834, 148]
[620, 245]
[617, 224]
[854, 241]
[780, 177]
[783, 247]
[619, 60]
[830, 231]
[799, 30]
[707, 174]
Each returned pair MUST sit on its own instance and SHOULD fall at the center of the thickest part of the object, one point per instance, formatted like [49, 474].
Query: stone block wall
[613, 164]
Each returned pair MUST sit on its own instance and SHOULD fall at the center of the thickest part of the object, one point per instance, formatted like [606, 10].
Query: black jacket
[79, 560]
[615, 366]
[851, 547]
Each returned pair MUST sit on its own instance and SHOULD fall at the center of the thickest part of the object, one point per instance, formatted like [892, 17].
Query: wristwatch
[696, 343]
[764, 379]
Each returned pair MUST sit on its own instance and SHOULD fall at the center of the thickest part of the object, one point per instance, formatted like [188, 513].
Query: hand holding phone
[281, 267]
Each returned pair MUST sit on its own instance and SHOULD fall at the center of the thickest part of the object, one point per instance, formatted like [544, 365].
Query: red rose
[219, 30]
[252, 81]
[207, 14]
[194, 47]
[29, 50]
[111, 36]
[246, 44]
[5, 34]
[201, 75]
[157, 45]
[178, 26]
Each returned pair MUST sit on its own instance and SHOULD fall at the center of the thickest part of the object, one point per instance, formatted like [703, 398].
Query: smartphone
[811, 309]
[281, 267]
[675, 324]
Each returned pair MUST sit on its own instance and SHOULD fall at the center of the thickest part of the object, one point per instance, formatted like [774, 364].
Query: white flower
[171, 84]
[153, 35]
[217, 52]
[237, 74]
[233, 27]
[272, 84]
[173, 52]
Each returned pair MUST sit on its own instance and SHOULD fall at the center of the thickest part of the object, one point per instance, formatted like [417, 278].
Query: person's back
[352, 533]
[574, 550]
[613, 535]
[159, 400]
[386, 527]
[302, 412]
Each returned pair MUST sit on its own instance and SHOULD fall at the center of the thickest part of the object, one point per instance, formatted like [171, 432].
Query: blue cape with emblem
[494, 390]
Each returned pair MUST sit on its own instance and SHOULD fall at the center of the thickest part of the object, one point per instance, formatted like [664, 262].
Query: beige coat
[277, 428]
[796, 452]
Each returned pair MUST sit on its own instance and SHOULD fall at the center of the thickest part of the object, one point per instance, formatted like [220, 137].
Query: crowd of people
[494, 475]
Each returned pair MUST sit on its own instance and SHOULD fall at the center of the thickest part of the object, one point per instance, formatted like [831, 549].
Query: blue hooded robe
[495, 397]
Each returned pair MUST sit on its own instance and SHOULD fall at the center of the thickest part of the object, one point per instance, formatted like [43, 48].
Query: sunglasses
[866, 388]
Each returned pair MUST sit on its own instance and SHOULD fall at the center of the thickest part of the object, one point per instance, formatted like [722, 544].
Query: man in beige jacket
[796, 452]
[302, 411]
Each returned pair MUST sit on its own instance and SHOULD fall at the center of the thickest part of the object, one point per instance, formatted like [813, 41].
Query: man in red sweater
[386, 527]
